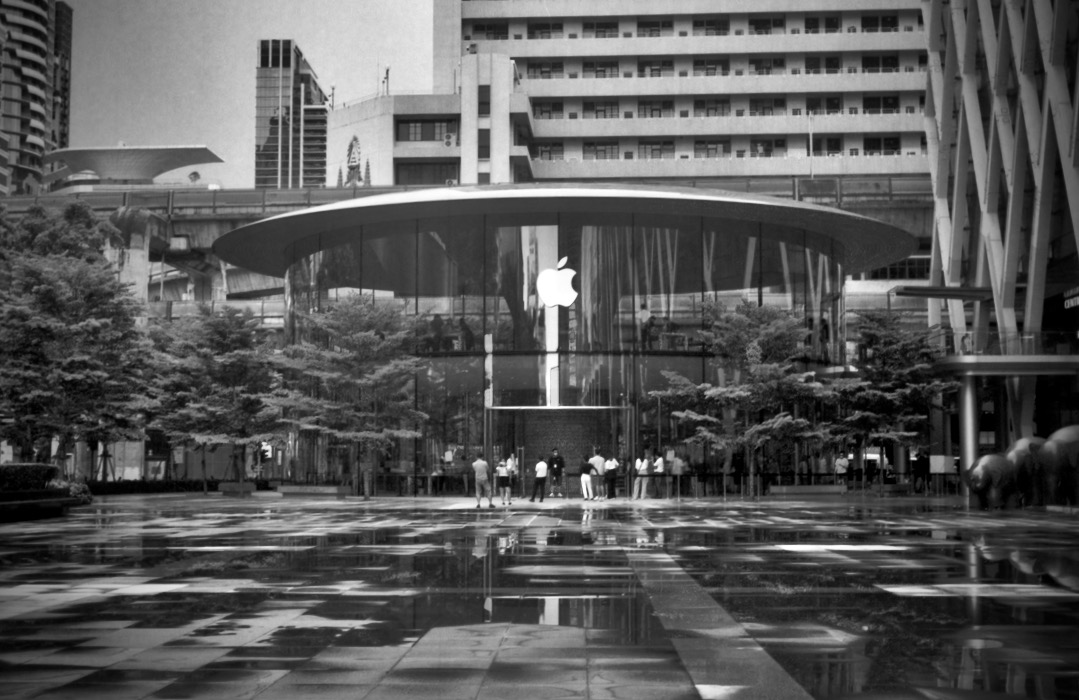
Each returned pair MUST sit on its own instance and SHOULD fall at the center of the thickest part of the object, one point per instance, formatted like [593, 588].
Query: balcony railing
[1005, 344]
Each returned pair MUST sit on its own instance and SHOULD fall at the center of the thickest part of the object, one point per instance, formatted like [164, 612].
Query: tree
[216, 384]
[73, 361]
[759, 400]
[351, 380]
[890, 401]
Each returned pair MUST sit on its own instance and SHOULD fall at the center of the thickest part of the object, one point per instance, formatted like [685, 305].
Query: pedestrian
[557, 467]
[641, 467]
[610, 476]
[841, 466]
[503, 480]
[540, 482]
[586, 478]
[483, 481]
[511, 465]
[678, 468]
[659, 475]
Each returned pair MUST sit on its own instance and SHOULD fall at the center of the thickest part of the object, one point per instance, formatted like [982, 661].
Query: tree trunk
[205, 486]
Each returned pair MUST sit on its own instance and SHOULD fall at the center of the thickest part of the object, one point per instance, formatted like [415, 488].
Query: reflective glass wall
[573, 311]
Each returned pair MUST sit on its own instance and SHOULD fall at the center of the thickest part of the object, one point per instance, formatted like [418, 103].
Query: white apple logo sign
[555, 287]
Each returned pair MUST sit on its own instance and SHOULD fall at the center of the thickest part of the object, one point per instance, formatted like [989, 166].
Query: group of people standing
[598, 475]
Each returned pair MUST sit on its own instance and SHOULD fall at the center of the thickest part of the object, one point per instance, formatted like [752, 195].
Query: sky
[182, 72]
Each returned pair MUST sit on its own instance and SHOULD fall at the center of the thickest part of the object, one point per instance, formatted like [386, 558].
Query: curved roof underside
[132, 162]
[270, 246]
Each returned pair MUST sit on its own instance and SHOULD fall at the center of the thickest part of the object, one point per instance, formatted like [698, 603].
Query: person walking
[586, 478]
[641, 467]
[678, 468]
[502, 472]
[483, 481]
[540, 482]
[842, 464]
[511, 465]
[610, 477]
[557, 466]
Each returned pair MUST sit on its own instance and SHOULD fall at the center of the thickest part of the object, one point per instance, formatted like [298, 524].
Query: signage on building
[1071, 298]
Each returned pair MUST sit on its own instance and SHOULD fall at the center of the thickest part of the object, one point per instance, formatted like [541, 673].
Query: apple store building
[548, 313]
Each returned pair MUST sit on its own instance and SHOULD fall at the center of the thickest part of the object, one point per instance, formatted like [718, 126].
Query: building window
[716, 26]
[881, 145]
[545, 30]
[823, 64]
[711, 108]
[767, 66]
[655, 28]
[880, 64]
[829, 104]
[711, 66]
[711, 149]
[880, 23]
[767, 25]
[827, 146]
[491, 30]
[417, 130]
[544, 70]
[655, 109]
[549, 151]
[829, 25]
[767, 147]
[600, 69]
[483, 149]
[601, 30]
[483, 178]
[913, 268]
[484, 100]
[600, 150]
[880, 104]
[655, 69]
[767, 107]
[601, 110]
[425, 173]
[655, 150]
[547, 110]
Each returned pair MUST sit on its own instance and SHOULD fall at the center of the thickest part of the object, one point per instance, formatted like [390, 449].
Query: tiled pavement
[195, 597]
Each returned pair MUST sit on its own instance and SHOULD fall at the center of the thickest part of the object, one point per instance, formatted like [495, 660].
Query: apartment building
[552, 90]
[35, 89]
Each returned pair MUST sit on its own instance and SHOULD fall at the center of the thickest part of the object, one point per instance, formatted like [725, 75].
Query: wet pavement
[854, 596]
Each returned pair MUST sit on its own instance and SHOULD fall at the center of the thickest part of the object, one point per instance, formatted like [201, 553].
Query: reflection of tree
[451, 396]
[516, 284]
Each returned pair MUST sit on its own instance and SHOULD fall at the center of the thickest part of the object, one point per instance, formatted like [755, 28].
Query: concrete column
[968, 426]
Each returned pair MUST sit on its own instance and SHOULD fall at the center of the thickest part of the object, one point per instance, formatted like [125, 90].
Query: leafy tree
[216, 384]
[758, 398]
[351, 379]
[73, 361]
[890, 401]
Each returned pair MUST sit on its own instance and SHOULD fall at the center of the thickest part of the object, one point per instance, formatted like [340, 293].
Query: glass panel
[667, 258]
[450, 392]
[518, 380]
[595, 380]
[516, 250]
[450, 288]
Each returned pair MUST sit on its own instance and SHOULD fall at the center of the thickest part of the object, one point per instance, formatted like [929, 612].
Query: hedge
[26, 476]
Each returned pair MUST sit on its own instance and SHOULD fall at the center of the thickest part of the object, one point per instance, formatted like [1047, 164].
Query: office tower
[290, 119]
[35, 90]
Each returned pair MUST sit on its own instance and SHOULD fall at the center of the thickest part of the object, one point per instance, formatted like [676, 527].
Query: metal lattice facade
[1001, 122]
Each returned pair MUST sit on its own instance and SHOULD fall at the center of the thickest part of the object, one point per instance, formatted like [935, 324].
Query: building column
[968, 427]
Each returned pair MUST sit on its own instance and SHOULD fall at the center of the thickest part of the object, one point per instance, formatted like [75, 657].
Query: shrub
[26, 477]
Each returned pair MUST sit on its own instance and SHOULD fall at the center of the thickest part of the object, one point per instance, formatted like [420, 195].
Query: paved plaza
[843, 597]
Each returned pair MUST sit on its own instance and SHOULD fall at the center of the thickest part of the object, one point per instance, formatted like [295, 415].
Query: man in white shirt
[610, 475]
[540, 483]
[642, 466]
[662, 488]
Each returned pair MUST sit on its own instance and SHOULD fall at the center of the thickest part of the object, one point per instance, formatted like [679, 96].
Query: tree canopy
[74, 361]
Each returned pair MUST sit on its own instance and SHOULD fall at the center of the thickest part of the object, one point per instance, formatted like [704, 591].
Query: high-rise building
[290, 119]
[693, 91]
[35, 69]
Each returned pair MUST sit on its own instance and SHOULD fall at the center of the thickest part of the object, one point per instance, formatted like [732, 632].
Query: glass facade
[540, 324]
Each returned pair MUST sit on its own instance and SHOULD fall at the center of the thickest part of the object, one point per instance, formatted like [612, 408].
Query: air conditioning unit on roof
[450, 183]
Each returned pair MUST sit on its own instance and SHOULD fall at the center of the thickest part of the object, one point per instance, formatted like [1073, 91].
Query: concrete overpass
[169, 233]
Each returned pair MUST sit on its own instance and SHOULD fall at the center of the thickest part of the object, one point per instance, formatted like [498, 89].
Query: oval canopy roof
[132, 162]
[270, 246]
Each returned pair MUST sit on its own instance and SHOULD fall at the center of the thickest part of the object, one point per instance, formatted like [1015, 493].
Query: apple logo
[555, 287]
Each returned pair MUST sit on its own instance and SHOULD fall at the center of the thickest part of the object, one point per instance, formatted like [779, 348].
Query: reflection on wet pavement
[195, 597]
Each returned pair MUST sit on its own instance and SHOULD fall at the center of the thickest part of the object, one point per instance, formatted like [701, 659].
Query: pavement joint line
[755, 675]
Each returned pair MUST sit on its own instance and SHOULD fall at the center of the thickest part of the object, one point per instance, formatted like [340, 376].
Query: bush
[26, 477]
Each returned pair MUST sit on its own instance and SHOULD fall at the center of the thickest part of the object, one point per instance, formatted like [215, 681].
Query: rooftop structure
[126, 165]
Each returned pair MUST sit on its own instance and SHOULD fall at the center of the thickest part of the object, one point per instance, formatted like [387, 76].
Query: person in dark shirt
[558, 470]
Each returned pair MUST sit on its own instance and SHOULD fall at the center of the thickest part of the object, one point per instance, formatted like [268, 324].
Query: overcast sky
[182, 72]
